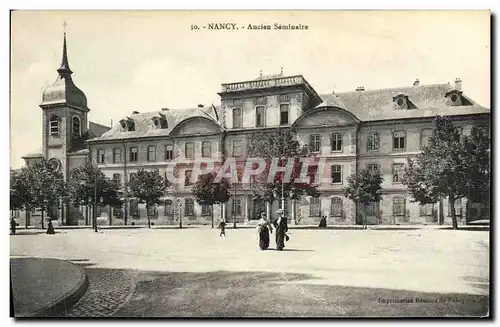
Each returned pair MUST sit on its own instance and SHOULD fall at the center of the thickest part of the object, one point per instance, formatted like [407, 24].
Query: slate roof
[372, 105]
[144, 123]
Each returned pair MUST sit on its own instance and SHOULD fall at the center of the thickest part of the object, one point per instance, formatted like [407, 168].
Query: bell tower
[65, 113]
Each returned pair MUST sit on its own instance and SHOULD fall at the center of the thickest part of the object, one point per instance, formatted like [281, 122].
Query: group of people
[265, 228]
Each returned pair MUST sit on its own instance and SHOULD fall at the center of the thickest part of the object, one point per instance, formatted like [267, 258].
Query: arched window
[54, 125]
[76, 127]
[237, 118]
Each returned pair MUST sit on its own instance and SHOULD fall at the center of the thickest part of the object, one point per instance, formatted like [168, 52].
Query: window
[373, 141]
[206, 149]
[169, 208]
[336, 142]
[397, 172]
[54, 125]
[458, 207]
[117, 179]
[189, 150]
[398, 140]
[374, 168]
[169, 152]
[151, 153]
[134, 208]
[398, 206]
[236, 207]
[132, 176]
[205, 210]
[188, 207]
[284, 98]
[426, 209]
[187, 177]
[237, 118]
[315, 142]
[260, 115]
[133, 154]
[284, 108]
[261, 101]
[117, 155]
[425, 137]
[311, 173]
[153, 212]
[76, 127]
[314, 207]
[100, 156]
[372, 209]
[237, 150]
[336, 174]
[336, 209]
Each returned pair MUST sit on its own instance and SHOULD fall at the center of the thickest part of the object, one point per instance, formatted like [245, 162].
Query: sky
[147, 60]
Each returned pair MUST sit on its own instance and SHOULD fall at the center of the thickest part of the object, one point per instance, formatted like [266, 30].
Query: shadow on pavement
[268, 294]
[469, 228]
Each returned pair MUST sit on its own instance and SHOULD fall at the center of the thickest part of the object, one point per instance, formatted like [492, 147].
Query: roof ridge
[391, 88]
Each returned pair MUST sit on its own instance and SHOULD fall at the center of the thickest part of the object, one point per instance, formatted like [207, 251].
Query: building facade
[378, 129]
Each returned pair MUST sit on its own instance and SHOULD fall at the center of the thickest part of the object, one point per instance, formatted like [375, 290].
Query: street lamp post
[94, 216]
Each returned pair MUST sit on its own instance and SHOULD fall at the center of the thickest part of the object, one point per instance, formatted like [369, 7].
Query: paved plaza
[194, 272]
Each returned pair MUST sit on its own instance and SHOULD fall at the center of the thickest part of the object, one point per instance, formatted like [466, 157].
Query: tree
[451, 166]
[148, 187]
[88, 185]
[209, 193]
[46, 186]
[280, 144]
[20, 195]
[364, 187]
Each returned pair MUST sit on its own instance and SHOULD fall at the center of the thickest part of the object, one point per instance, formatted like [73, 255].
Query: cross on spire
[64, 26]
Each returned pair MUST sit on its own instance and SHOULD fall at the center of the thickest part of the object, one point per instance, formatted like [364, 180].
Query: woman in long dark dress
[263, 229]
[281, 229]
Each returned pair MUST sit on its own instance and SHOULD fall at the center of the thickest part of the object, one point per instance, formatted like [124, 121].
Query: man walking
[281, 225]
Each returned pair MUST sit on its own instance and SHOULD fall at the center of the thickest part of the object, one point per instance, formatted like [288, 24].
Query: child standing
[222, 227]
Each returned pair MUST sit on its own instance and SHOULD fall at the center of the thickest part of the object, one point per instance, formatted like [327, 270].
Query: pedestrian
[13, 225]
[322, 223]
[50, 228]
[222, 227]
[263, 229]
[281, 225]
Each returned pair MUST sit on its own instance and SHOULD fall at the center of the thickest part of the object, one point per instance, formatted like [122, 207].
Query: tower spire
[64, 70]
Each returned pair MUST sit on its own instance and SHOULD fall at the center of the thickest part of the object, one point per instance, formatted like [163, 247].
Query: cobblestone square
[194, 272]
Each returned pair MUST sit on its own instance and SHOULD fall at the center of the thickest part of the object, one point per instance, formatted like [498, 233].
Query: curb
[61, 305]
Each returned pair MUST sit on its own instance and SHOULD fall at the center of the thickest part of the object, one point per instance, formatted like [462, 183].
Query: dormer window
[454, 98]
[127, 124]
[401, 101]
[159, 121]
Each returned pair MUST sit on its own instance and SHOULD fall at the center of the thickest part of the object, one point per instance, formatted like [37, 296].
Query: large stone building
[378, 129]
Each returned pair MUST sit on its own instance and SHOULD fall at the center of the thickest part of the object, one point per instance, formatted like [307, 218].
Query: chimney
[200, 106]
[135, 112]
[164, 109]
[111, 123]
[458, 84]
[360, 88]
[416, 83]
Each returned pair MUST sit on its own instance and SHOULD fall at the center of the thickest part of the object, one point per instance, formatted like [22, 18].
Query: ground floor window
[117, 212]
[188, 207]
[205, 210]
[372, 209]
[169, 208]
[426, 209]
[314, 207]
[134, 209]
[259, 207]
[398, 206]
[153, 212]
[458, 207]
[336, 208]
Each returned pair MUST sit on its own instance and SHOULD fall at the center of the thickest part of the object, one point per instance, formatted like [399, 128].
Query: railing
[265, 83]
